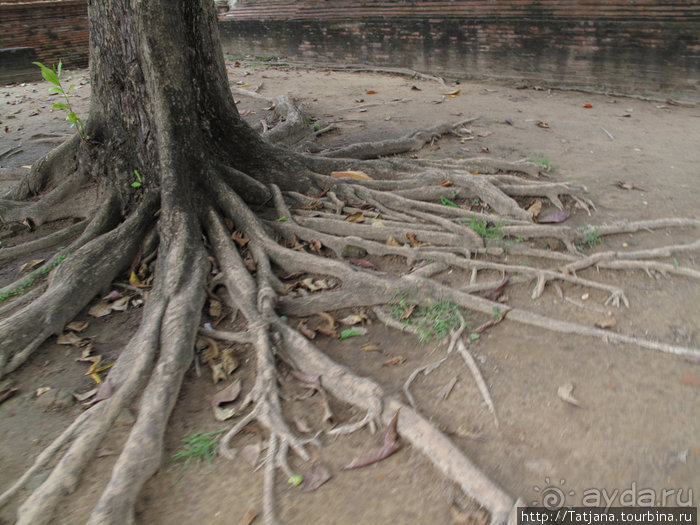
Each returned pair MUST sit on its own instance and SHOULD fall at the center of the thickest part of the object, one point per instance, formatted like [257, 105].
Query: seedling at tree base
[138, 182]
[198, 445]
[53, 75]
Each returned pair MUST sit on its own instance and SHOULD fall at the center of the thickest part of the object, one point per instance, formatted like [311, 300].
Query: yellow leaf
[351, 174]
[453, 93]
[30, 265]
[355, 217]
[535, 208]
[77, 326]
[392, 242]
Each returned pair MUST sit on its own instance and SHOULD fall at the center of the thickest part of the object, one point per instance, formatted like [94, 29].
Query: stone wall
[54, 30]
[643, 46]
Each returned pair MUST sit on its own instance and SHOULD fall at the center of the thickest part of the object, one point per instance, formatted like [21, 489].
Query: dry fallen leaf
[362, 263]
[393, 361]
[101, 309]
[69, 338]
[392, 242]
[553, 217]
[120, 305]
[30, 265]
[354, 319]
[355, 217]
[316, 476]
[542, 124]
[329, 328]
[229, 360]
[535, 208]
[227, 394]
[248, 517]
[104, 391]
[77, 326]
[306, 331]
[112, 296]
[415, 243]
[239, 239]
[446, 183]
[565, 393]
[214, 308]
[217, 372]
[379, 453]
[606, 322]
[315, 246]
[351, 174]
[370, 347]
[453, 93]
[627, 185]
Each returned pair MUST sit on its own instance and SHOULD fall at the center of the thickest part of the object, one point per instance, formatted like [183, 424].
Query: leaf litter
[376, 454]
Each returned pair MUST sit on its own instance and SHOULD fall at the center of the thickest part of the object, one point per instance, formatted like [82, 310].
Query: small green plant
[542, 160]
[139, 181]
[30, 280]
[487, 230]
[53, 75]
[591, 237]
[199, 446]
[436, 320]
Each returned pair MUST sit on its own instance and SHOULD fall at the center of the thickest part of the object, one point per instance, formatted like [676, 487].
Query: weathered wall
[643, 46]
[55, 29]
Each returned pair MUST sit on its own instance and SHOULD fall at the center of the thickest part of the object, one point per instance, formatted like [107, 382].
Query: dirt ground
[638, 426]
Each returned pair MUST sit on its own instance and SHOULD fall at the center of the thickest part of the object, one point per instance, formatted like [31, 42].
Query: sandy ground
[638, 426]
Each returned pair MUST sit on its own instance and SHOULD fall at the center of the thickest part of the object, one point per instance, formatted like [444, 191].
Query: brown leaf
[217, 372]
[30, 265]
[565, 393]
[542, 124]
[397, 360]
[104, 391]
[77, 326]
[381, 452]
[606, 322]
[320, 194]
[408, 312]
[313, 285]
[313, 205]
[446, 183]
[229, 360]
[415, 243]
[69, 338]
[355, 217]
[227, 395]
[214, 308]
[362, 263]
[306, 331]
[351, 174]
[121, 305]
[370, 347]
[316, 476]
[212, 351]
[248, 517]
[627, 186]
[315, 246]
[101, 309]
[392, 242]
[496, 292]
[535, 208]
[354, 319]
[249, 263]
[7, 393]
[329, 328]
[240, 240]
[371, 92]
[556, 216]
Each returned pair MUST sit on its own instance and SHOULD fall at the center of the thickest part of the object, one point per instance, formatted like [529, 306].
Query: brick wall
[636, 46]
[56, 30]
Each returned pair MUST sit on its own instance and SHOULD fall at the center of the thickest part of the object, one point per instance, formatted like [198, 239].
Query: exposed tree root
[418, 210]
